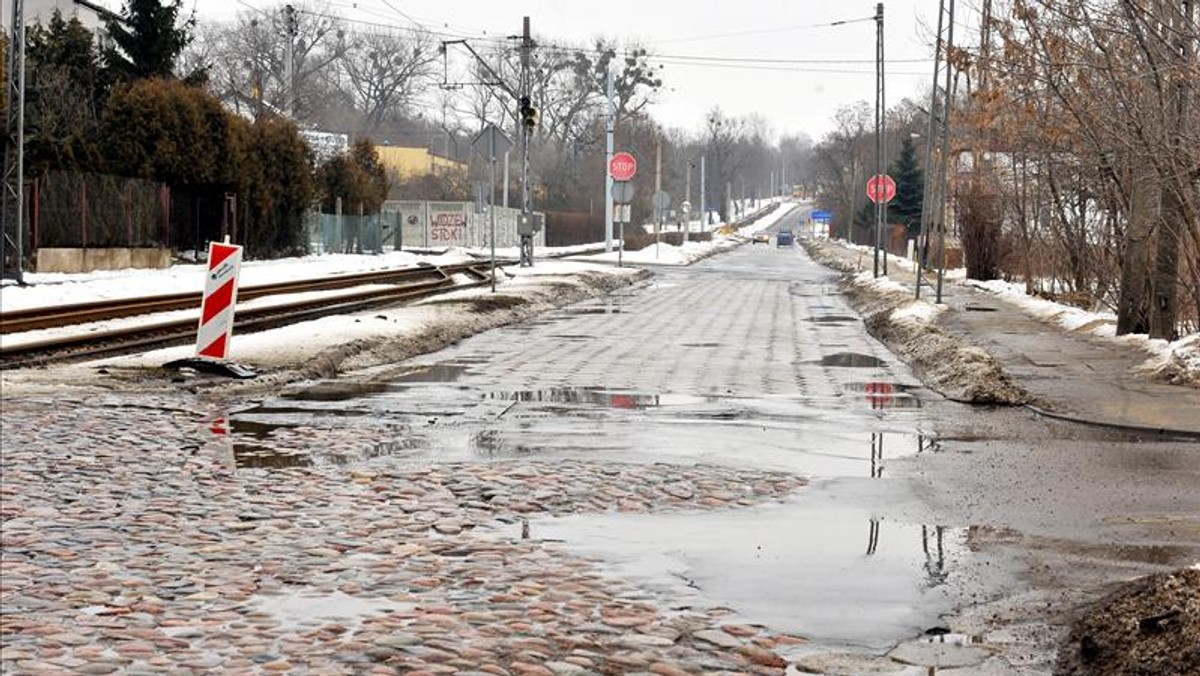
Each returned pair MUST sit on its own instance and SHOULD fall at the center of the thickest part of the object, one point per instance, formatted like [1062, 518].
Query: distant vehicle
[762, 238]
[785, 238]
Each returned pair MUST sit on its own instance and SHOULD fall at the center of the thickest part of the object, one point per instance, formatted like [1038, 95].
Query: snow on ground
[50, 289]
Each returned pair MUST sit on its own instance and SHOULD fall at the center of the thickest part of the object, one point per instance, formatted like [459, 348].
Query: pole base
[213, 367]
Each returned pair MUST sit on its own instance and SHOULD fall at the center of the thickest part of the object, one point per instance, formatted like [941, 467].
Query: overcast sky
[793, 97]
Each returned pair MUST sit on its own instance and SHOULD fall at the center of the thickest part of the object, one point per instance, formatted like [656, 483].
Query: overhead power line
[766, 31]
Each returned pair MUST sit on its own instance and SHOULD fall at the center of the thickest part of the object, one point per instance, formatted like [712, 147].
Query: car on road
[762, 238]
[785, 238]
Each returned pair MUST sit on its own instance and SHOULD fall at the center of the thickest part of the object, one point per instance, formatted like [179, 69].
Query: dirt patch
[1150, 626]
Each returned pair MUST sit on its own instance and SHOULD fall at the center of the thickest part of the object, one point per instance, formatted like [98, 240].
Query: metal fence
[414, 224]
[96, 210]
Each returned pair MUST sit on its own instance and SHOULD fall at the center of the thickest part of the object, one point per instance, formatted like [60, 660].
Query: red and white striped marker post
[220, 295]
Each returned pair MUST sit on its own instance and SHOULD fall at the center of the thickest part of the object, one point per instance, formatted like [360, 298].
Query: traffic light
[529, 114]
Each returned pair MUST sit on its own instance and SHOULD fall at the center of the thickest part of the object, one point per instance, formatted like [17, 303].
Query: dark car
[785, 238]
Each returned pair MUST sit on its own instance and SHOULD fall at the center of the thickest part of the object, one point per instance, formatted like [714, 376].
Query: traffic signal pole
[526, 129]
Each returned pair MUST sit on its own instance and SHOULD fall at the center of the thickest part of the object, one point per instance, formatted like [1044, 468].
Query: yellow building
[407, 163]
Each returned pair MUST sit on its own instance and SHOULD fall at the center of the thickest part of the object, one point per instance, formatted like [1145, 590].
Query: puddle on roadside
[596, 396]
[336, 391]
[590, 311]
[826, 571]
[881, 395]
[306, 610]
[850, 360]
[833, 319]
[700, 344]
[980, 308]
[444, 372]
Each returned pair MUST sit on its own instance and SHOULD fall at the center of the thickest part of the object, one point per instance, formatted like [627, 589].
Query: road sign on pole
[622, 192]
[622, 167]
[881, 188]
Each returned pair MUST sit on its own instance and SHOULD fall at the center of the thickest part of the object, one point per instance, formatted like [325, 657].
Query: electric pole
[880, 143]
[528, 120]
[289, 64]
[609, 126]
[703, 201]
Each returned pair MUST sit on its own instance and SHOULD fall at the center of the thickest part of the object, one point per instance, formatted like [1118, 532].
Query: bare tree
[384, 72]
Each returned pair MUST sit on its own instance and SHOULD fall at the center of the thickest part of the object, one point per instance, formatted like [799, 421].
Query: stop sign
[622, 167]
[881, 188]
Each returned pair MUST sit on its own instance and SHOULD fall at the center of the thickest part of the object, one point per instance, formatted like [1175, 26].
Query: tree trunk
[1144, 202]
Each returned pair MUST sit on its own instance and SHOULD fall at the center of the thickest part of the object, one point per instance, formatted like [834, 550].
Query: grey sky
[796, 97]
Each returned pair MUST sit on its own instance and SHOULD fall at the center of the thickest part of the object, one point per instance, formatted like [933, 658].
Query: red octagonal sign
[881, 188]
[622, 167]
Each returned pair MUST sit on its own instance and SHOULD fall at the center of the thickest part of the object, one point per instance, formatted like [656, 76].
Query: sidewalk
[1069, 375]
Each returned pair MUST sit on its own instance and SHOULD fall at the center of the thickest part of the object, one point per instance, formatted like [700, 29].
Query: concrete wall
[87, 260]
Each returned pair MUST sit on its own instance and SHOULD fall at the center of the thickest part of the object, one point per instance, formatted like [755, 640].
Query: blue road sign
[819, 215]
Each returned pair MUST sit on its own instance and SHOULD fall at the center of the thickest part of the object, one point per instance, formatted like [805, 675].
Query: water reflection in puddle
[597, 396]
[851, 360]
[833, 319]
[822, 570]
[885, 395]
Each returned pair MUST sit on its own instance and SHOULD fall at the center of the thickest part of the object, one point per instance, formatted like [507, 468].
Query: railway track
[400, 286]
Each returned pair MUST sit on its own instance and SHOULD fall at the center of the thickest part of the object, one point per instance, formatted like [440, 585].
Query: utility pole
[880, 143]
[528, 121]
[687, 191]
[703, 204]
[783, 175]
[14, 154]
[937, 151]
[289, 64]
[506, 152]
[609, 127]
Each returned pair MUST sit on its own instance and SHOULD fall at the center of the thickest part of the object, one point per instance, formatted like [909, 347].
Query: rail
[405, 285]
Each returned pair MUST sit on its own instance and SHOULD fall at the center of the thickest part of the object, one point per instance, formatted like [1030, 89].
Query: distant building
[406, 163]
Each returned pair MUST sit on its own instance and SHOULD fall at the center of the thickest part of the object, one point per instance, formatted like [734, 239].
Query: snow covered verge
[327, 347]
[954, 369]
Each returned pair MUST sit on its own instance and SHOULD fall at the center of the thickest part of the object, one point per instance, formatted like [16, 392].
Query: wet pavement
[716, 471]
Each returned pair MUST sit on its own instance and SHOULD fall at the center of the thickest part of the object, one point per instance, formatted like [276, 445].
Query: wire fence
[96, 210]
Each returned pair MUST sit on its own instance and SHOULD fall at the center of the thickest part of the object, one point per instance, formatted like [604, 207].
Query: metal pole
[609, 127]
[687, 215]
[526, 210]
[506, 152]
[13, 205]
[703, 205]
[492, 201]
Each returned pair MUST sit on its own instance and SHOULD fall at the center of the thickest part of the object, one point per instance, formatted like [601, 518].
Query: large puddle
[834, 573]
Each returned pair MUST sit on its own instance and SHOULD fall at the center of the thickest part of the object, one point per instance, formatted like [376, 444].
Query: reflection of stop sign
[881, 188]
[879, 394]
[622, 167]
